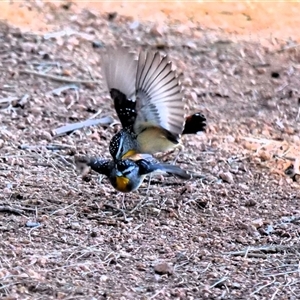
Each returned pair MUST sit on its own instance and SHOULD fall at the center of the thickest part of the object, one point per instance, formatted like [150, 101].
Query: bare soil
[233, 235]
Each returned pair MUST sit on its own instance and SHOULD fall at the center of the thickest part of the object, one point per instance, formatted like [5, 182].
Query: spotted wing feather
[100, 165]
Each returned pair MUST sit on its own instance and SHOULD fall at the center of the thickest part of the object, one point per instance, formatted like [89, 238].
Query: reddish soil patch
[261, 21]
[233, 235]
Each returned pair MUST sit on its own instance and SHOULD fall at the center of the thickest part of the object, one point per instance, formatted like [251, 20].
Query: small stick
[286, 48]
[282, 273]
[87, 123]
[52, 147]
[8, 99]
[218, 282]
[11, 210]
[262, 287]
[264, 250]
[298, 113]
[58, 78]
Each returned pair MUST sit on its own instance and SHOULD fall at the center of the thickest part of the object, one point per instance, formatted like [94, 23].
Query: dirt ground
[233, 235]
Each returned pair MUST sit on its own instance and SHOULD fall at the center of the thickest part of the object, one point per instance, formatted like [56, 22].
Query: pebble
[33, 224]
[163, 268]
[243, 186]
[97, 44]
[257, 223]
[157, 30]
[226, 176]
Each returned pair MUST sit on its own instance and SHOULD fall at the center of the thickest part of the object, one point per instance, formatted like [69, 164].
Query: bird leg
[100, 178]
[149, 182]
[123, 203]
[180, 148]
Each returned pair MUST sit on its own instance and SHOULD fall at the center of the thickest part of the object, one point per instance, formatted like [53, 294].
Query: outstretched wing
[119, 71]
[100, 165]
[159, 101]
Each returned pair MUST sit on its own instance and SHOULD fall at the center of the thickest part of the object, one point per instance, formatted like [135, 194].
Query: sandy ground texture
[64, 235]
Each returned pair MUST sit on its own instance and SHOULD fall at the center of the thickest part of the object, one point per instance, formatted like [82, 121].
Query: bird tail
[174, 170]
[194, 123]
[147, 167]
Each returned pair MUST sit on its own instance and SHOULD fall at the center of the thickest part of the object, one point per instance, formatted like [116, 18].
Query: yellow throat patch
[122, 184]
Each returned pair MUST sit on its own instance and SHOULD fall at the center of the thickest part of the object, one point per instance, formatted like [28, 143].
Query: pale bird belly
[152, 141]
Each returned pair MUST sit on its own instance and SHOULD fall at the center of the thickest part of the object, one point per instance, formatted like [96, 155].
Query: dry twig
[105, 121]
[58, 78]
[252, 252]
[11, 210]
[14, 210]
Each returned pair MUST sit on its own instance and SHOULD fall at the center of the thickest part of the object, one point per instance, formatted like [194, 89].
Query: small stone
[230, 139]
[97, 44]
[249, 146]
[243, 186]
[261, 70]
[46, 135]
[112, 15]
[141, 267]
[134, 25]
[163, 268]
[33, 224]
[157, 30]
[236, 285]
[94, 234]
[103, 278]
[226, 176]
[75, 225]
[191, 45]
[35, 110]
[29, 47]
[21, 126]
[194, 96]
[250, 203]
[66, 72]
[264, 155]
[125, 254]
[187, 81]
[257, 223]
[289, 130]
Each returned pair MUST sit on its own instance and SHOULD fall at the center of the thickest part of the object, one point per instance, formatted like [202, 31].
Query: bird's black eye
[122, 166]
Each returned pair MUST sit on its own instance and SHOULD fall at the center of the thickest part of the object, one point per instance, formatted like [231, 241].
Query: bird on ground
[126, 175]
